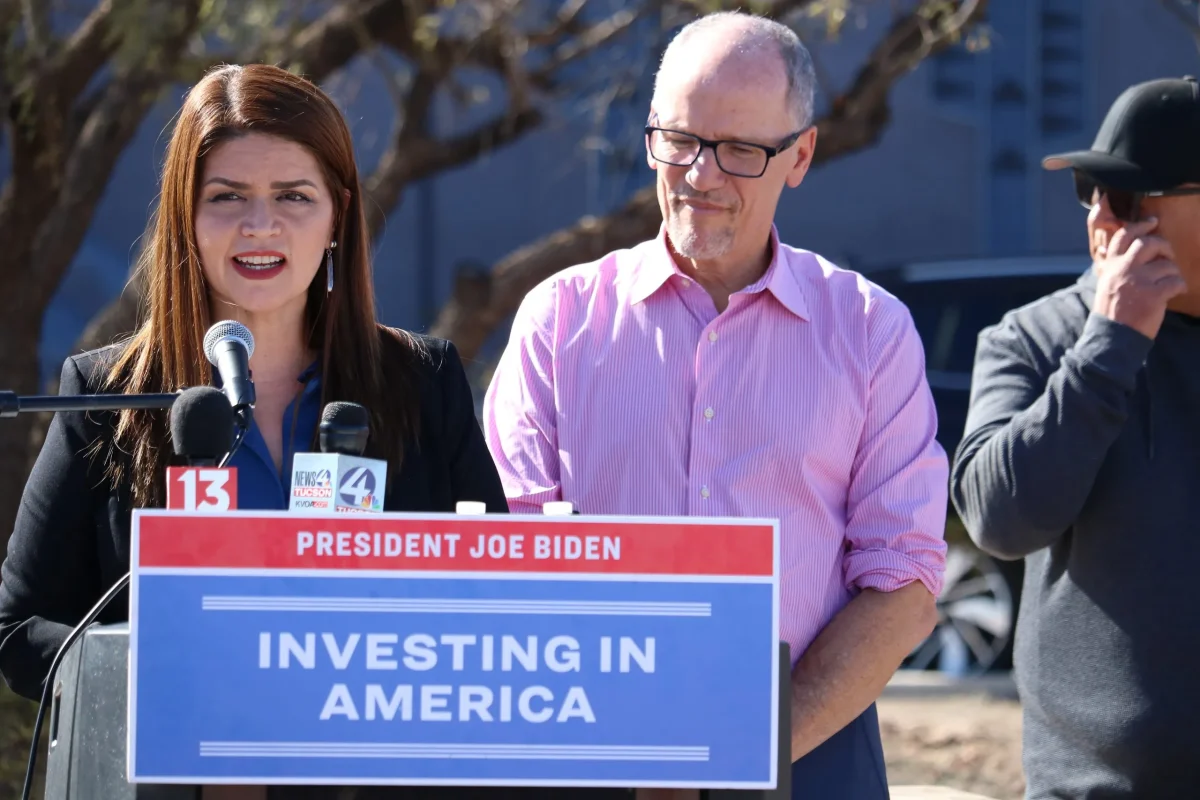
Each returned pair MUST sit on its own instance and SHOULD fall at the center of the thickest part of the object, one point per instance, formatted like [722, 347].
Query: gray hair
[757, 31]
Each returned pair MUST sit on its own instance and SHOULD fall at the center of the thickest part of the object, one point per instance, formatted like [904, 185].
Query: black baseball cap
[1149, 141]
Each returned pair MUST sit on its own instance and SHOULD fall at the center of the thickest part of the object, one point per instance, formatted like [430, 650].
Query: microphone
[338, 478]
[344, 429]
[202, 423]
[228, 345]
[202, 433]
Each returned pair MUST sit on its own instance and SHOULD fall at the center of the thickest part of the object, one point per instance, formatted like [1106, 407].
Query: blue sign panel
[304, 677]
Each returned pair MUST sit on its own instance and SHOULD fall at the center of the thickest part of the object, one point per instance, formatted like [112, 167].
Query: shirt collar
[651, 272]
[313, 370]
[658, 266]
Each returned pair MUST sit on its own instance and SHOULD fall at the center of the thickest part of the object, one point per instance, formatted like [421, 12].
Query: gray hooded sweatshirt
[1082, 453]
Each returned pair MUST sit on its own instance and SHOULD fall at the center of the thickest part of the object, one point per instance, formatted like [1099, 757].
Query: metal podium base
[87, 724]
[87, 728]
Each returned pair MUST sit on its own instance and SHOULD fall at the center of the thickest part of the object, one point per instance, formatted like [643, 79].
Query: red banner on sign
[447, 543]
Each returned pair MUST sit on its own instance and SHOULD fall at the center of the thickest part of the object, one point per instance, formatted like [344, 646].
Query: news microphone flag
[336, 482]
[202, 488]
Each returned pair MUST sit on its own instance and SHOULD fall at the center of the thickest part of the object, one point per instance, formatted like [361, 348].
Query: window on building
[1062, 67]
[954, 76]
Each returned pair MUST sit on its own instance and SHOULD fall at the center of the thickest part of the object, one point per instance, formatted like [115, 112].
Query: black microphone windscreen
[202, 423]
[344, 428]
[348, 414]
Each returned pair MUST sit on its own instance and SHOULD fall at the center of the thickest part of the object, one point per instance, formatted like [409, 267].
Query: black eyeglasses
[1125, 205]
[740, 159]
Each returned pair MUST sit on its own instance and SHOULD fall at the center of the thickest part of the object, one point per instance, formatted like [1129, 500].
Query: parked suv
[950, 303]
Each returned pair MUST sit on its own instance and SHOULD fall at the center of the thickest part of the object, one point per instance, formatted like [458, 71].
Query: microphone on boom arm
[202, 427]
[228, 346]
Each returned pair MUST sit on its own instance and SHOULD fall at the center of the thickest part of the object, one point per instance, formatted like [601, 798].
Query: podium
[603, 641]
[87, 724]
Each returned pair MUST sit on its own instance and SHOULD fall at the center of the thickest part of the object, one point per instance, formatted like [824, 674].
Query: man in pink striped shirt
[716, 371]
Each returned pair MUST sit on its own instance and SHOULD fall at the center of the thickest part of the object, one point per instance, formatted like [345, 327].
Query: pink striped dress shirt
[623, 390]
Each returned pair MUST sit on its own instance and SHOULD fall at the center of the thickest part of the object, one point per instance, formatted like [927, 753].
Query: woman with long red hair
[260, 221]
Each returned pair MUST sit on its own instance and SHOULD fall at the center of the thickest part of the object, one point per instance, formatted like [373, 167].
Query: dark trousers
[847, 766]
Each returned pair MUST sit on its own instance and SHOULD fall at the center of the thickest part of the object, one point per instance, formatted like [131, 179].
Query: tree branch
[37, 30]
[859, 116]
[321, 47]
[856, 120]
[10, 20]
[1190, 21]
[442, 154]
[590, 40]
[566, 22]
[413, 155]
[387, 181]
[335, 38]
[10, 11]
[101, 141]
[493, 48]
[81, 58]
[421, 157]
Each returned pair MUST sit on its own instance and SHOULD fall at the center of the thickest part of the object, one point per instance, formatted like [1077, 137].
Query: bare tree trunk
[19, 367]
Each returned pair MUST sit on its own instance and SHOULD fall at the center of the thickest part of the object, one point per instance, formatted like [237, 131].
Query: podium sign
[444, 649]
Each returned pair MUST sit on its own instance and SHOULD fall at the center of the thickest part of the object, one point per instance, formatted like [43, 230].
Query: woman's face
[264, 218]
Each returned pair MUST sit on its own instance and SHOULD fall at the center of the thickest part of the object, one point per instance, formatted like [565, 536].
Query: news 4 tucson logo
[358, 490]
[312, 483]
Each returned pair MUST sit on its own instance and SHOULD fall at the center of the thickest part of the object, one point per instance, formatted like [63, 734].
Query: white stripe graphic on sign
[419, 605]
[525, 752]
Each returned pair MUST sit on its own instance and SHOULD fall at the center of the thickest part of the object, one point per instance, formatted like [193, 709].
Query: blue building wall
[957, 173]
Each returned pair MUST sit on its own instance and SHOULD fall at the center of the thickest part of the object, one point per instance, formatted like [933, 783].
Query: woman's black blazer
[70, 542]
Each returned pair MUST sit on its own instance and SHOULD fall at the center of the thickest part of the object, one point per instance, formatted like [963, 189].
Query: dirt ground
[967, 742]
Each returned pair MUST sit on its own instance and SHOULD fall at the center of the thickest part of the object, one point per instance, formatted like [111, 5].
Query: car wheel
[976, 611]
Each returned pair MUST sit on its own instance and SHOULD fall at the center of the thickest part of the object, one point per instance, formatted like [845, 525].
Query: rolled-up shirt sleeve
[519, 409]
[898, 493]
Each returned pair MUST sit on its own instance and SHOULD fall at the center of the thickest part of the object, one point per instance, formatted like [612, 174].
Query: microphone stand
[242, 416]
[12, 404]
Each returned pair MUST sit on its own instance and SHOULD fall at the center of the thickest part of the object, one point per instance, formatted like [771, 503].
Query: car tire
[977, 614]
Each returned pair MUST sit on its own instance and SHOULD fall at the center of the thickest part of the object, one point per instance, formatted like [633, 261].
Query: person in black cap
[1081, 454]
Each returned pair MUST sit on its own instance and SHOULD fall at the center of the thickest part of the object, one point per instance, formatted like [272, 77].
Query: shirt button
[708, 413]
[686, 283]
[704, 492]
[712, 336]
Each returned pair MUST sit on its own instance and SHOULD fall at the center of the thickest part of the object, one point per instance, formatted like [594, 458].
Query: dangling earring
[329, 267]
